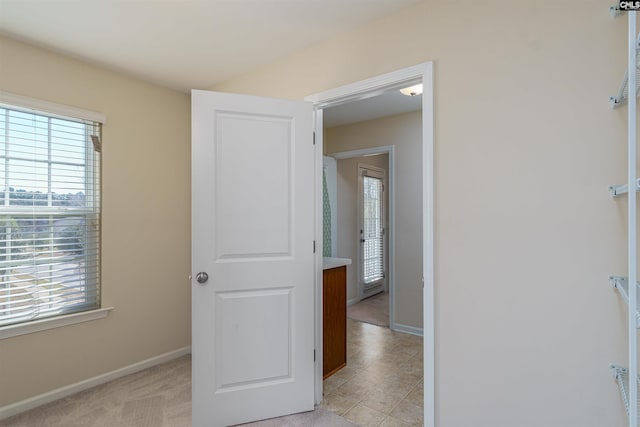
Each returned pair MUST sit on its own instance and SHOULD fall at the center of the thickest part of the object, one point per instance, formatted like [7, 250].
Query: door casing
[421, 73]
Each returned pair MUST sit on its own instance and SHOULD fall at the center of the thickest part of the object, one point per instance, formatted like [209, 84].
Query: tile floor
[382, 384]
[374, 310]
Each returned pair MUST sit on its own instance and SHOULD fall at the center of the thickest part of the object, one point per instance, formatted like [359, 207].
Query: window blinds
[49, 215]
[373, 231]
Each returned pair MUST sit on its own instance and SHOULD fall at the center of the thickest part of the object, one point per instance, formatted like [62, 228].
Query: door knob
[202, 277]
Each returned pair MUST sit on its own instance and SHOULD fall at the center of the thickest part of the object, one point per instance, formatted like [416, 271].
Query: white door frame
[391, 235]
[362, 90]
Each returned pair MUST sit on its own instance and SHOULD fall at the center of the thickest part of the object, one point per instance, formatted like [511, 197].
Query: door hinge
[314, 138]
[314, 246]
[314, 354]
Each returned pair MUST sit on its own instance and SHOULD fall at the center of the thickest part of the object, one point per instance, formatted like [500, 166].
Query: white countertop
[330, 262]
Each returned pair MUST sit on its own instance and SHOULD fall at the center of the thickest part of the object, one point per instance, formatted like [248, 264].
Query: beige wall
[526, 233]
[347, 209]
[405, 133]
[146, 225]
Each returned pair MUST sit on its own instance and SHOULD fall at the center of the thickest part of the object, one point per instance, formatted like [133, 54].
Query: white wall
[526, 234]
[145, 225]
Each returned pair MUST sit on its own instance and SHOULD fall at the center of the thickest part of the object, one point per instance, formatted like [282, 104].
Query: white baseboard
[408, 329]
[59, 393]
[353, 301]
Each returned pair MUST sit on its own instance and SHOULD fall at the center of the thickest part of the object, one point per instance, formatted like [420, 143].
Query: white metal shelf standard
[629, 389]
[632, 238]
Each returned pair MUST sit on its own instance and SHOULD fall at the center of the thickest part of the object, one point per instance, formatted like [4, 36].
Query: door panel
[247, 172]
[251, 357]
[252, 232]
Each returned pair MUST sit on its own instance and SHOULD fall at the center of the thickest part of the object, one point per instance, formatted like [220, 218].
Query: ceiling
[388, 103]
[185, 44]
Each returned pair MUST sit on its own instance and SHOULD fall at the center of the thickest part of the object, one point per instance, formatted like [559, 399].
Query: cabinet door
[334, 320]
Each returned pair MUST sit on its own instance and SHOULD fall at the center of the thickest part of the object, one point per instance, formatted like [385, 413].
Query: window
[372, 226]
[49, 214]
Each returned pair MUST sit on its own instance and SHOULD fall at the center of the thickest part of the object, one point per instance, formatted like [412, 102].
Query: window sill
[51, 323]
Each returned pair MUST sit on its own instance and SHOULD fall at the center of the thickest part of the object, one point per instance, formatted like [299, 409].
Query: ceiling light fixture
[412, 90]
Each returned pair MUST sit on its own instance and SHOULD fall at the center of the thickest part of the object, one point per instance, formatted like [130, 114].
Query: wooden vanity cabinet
[334, 320]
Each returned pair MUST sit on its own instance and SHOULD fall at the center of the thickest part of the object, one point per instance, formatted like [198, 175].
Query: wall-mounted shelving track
[629, 389]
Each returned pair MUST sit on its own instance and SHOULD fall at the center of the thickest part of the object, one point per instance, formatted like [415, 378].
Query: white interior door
[252, 234]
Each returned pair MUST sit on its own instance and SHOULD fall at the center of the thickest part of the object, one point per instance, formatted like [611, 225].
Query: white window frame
[52, 109]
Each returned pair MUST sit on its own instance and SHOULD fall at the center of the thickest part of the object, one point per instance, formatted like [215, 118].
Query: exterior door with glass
[371, 219]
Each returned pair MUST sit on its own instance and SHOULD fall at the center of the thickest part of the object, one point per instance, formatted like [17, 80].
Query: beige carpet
[156, 397]
[374, 310]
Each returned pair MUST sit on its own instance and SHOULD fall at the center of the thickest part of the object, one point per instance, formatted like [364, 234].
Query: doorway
[422, 73]
[358, 391]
